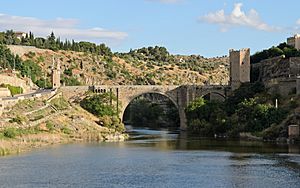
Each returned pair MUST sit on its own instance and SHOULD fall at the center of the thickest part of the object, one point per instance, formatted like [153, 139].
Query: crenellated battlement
[240, 50]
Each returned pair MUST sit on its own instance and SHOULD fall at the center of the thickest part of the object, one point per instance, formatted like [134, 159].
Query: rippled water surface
[155, 159]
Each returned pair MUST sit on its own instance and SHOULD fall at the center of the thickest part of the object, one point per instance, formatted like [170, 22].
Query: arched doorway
[153, 110]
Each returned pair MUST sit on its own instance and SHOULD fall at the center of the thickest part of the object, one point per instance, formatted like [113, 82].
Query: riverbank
[34, 124]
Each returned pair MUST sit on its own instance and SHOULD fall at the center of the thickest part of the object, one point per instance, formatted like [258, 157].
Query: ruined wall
[279, 74]
[283, 87]
[4, 92]
[277, 67]
[15, 81]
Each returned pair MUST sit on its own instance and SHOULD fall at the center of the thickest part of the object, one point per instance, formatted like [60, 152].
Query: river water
[155, 159]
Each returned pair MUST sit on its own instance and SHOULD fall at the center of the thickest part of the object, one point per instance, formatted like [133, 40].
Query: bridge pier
[183, 120]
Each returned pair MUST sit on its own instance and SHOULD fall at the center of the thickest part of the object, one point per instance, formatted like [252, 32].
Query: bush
[68, 72]
[60, 103]
[14, 90]
[112, 122]
[30, 54]
[100, 104]
[10, 133]
[72, 81]
[65, 130]
[50, 126]
[43, 83]
[17, 119]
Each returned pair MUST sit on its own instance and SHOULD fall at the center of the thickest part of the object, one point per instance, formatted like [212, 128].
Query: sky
[202, 27]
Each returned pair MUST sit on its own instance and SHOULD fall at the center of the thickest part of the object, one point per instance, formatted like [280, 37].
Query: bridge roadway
[29, 95]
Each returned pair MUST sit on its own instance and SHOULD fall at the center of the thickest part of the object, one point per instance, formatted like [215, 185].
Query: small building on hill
[20, 35]
[294, 41]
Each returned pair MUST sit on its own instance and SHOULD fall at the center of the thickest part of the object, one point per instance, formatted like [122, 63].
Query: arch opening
[152, 110]
[214, 96]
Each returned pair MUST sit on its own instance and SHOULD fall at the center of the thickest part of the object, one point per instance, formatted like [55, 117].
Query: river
[155, 158]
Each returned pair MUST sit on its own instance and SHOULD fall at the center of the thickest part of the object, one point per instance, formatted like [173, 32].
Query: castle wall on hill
[280, 74]
[277, 67]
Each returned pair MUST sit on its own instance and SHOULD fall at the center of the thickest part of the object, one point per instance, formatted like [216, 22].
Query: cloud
[298, 22]
[166, 1]
[64, 28]
[238, 18]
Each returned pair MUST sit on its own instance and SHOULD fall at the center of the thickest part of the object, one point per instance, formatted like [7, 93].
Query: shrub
[72, 81]
[14, 90]
[50, 126]
[112, 122]
[60, 103]
[65, 130]
[17, 119]
[10, 132]
[30, 54]
[68, 72]
[100, 104]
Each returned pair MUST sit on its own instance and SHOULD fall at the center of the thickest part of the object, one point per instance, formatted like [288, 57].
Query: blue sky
[204, 27]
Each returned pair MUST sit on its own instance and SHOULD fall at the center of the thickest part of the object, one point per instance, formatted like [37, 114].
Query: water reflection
[177, 140]
[156, 158]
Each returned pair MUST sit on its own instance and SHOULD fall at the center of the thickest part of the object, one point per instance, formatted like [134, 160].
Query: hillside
[130, 68]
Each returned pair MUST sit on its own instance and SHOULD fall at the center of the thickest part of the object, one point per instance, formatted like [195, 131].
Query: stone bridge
[181, 96]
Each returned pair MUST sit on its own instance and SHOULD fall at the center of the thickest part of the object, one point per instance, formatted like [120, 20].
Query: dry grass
[71, 124]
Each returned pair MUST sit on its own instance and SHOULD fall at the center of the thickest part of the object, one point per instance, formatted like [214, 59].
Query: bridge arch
[129, 99]
[214, 95]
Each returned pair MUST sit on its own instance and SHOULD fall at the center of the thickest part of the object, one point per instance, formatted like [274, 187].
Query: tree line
[52, 42]
[281, 49]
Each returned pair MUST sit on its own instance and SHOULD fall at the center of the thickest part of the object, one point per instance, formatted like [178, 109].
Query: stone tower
[55, 74]
[239, 67]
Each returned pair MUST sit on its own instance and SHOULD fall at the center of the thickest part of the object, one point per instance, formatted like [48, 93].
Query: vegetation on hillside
[95, 64]
[26, 68]
[14, 90]
[51, 42]
[159, 56]
[250, 109]
[102, 106]
[281, 49]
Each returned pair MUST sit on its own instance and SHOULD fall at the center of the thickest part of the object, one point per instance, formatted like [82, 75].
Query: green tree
[207, 117]
[100, 104]
[145, 113]
[255, 116]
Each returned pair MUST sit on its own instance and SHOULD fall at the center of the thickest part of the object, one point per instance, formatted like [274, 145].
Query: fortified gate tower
[239, 67]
